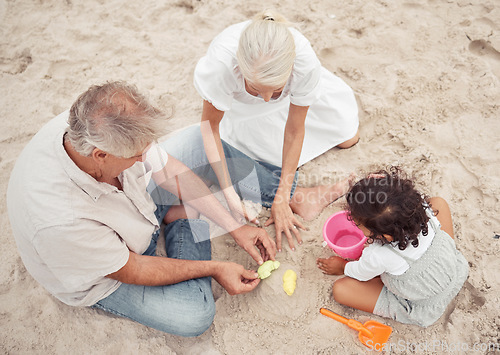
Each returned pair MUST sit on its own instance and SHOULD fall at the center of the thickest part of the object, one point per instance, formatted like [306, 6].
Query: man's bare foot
[180, 212]
[309, 202]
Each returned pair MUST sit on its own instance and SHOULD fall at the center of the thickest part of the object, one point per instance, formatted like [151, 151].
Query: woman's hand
[284, 222]
[237, 207]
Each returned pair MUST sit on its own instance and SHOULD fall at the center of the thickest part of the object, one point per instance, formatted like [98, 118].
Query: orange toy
[373, 334]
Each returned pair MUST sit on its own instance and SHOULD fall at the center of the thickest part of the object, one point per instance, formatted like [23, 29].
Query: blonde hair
[266, 50]
[115, 118]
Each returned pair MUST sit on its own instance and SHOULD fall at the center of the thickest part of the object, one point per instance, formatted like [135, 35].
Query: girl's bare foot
[309, 202]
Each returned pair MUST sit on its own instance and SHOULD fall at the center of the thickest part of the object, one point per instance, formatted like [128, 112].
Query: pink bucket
[343, 236]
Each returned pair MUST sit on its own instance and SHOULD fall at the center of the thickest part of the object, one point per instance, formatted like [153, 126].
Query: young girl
[259, 80]
[410, 270]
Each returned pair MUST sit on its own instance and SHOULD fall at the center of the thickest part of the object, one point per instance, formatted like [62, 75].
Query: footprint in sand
[477, 300]
[472, 297]
[186, 5]
[17, 64]
[482, 48]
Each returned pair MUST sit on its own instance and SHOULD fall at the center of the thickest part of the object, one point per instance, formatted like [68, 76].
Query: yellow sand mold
[289, 282]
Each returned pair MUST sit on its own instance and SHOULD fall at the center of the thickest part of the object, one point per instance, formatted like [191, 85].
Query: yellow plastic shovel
[372, 333]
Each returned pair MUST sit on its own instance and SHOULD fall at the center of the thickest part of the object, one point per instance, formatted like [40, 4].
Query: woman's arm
[282, 215]
[210, 120]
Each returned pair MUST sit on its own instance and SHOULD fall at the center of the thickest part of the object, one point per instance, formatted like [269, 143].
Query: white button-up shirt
[70, 229]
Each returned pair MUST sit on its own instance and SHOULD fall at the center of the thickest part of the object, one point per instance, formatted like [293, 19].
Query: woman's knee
[350, 142]
[185, 145]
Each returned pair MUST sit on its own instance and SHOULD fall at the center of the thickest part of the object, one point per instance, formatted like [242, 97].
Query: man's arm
[159, 271]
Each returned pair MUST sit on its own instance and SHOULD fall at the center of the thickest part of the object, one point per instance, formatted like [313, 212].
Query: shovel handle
[351, 323]
[338, 318]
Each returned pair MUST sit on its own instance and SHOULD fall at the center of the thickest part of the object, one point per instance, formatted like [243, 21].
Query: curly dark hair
[386, 202]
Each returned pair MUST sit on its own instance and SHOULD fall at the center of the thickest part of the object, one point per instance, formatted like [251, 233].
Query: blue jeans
[253, 180]
[188, 308]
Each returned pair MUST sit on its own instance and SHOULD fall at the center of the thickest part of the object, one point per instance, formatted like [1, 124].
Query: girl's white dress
[256, 127]
[419, 283]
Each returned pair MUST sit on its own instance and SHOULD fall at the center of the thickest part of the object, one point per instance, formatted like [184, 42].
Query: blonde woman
[266, 94]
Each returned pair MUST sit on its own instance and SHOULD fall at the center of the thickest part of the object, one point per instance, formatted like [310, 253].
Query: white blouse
[218, 78]
[377, 258]
[256, 127]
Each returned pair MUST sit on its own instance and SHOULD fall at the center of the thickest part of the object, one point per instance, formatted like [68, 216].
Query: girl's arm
[210, 120]
[334, 265]
[370, 265]
[282, 215]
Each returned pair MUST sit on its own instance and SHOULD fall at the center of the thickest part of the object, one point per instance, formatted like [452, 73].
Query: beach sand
[426, 76]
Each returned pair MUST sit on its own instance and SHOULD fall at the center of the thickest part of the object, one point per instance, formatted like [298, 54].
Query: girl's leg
[444, 215]
[362, 295]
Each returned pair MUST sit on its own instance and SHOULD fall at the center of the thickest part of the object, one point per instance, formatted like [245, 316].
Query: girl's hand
[334, 265]
[284, 222]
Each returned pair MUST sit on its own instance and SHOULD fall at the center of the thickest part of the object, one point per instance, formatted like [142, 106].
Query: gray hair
[266, 50]
[115, 118]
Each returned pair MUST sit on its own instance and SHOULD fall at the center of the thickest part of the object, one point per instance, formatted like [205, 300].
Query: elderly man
[86, 227]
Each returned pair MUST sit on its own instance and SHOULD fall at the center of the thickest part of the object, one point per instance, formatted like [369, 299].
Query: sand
[426, 74]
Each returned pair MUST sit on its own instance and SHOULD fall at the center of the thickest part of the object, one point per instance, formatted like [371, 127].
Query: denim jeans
[253, 180]
[188, 308]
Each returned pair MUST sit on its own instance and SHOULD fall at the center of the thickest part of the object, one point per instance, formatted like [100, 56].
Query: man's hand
[235, 278]
[159, 271]
[249, 237]
[334, 265]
